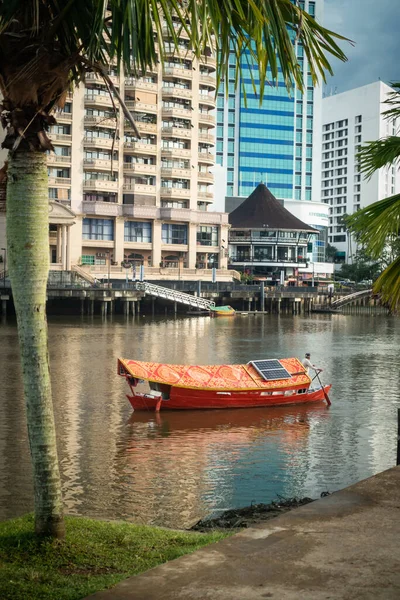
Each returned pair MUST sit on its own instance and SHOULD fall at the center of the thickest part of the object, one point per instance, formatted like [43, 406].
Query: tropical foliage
[46, 47]
[378, 226]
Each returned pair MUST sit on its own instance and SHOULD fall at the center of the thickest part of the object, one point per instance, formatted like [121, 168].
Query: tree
[46, 47]
[378, 225]
[330, 253]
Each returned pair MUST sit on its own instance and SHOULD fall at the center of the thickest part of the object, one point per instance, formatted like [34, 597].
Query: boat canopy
[214, 377]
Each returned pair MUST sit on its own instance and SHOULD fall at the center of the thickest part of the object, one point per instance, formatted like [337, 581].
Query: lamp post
[312, 280]
[5, 266]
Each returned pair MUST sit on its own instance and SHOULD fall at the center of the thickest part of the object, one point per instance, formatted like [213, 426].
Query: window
[134, 231]
[98, 229]
[174, 234]
[207, 236]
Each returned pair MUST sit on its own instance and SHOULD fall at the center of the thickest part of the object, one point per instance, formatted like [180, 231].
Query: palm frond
[393, 100]
[378, 154]
[376, 223]
[388, 285]
[132, 32]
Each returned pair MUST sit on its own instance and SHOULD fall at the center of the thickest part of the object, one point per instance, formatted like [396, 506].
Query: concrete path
[345, 546]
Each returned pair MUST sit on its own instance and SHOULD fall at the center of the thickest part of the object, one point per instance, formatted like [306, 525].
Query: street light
[5, 266]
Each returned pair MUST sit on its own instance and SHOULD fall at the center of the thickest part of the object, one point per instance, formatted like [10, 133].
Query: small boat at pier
[259, 383]
[222, 311]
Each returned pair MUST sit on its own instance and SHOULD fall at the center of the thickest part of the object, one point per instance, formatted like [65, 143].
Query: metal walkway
[348, 299]
[162, 292]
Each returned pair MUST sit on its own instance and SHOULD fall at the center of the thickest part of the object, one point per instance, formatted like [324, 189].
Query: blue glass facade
[269, 142]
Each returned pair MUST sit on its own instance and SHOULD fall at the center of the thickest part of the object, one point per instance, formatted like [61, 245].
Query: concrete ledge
[345, 546]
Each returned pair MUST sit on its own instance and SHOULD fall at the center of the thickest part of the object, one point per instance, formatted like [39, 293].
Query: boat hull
[193, 399]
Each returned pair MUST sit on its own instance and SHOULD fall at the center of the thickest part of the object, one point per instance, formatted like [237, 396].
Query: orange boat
[259, 383]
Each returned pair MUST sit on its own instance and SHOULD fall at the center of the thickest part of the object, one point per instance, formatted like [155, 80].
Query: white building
[350, 119]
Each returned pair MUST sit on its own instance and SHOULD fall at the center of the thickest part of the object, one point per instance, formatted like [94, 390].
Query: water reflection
[175, 468]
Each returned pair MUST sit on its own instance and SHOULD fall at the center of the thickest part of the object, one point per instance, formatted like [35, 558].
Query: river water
[174, 468]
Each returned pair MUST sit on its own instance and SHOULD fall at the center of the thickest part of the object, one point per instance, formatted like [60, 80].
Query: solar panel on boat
[271, 369]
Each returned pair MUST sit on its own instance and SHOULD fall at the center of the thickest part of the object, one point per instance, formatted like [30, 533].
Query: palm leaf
[376, 223]
[378, 154]
[136, 28]
[388, 285]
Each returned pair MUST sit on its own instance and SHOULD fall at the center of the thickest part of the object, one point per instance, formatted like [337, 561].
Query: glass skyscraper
[276, 142]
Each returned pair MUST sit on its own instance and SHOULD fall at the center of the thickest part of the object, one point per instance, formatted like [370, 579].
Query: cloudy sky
[373, 25]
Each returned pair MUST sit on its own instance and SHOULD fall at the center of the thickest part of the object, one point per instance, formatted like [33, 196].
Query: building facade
[142, 201]
[277, 142]
[349, 120]
[266, 240]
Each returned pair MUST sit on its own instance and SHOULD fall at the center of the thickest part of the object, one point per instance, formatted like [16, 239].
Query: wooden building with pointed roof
[266, 240]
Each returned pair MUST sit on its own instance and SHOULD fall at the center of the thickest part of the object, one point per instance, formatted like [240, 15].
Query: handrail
[174, 295]
[350, 297]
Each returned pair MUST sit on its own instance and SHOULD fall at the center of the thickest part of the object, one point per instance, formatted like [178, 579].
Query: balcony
[140, 188]
[140, 86]
[91, 121]
[176, 91]
[100, 185]
[208, 61]
[205, 176]
[60, 137]
[176, 152]
[99, 164]
[208, 99]
[206, 195]
[207, 137]
[173, 111]
[206, 157]
[184, 53]
[140, 147]
[144, 127]
[57, 159]
[176, 214]
[99, 142]
[63, 117]
[140, 168]
[105, 209]
[178, 72]
[173, 172]
[95, 77]
[208, 80]
[176, 132]
[59, 181]
[137, 211]
[98, 100]
[208, 119]
[141, 106]
[174, 192]
[180, 32]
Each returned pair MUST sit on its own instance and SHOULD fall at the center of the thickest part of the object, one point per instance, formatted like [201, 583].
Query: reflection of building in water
[199, 461]
[89, 410]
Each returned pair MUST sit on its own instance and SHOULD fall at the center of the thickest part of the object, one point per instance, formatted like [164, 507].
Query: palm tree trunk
[28, 251]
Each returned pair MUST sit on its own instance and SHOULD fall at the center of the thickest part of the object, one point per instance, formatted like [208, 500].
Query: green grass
[95, 555]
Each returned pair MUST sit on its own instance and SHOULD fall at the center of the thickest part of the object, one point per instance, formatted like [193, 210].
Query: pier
[91, 297]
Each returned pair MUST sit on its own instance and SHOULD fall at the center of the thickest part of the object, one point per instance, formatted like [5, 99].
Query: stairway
[349, 298]
[83, 274]
[161, 292]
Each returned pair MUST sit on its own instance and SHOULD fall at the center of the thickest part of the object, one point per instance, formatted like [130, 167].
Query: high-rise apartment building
[277, 142]
[349, 120]
[144, 200]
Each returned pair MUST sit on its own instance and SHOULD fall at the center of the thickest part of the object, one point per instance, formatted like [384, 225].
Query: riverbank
[95, 555]
[239, 518]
